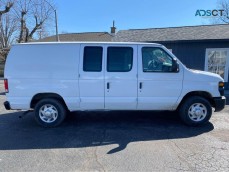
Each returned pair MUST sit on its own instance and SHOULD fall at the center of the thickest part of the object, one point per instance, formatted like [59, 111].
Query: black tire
[195, 111]
[56, 112]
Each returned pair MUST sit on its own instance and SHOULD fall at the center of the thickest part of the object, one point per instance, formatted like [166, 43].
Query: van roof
[114, 43]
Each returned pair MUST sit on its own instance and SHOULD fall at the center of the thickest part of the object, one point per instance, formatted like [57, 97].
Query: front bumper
[219, 103]
[7, 105]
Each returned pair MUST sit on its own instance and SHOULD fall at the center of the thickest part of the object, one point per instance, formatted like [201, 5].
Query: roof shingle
[87, 36]
[203, 32]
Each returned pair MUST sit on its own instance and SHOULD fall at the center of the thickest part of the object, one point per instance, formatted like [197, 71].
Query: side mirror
[175, 66]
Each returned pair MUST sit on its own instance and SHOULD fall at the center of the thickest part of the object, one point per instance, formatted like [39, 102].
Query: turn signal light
[221, 84]
[221, 88]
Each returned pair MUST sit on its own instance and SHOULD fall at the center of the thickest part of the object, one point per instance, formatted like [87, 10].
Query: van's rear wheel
[50, 112]
[195, 111]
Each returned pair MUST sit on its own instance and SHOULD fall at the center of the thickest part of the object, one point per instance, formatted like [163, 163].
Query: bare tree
[223, 5]
[7, 28]
[32, 15]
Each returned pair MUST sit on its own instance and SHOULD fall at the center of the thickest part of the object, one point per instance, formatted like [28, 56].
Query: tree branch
[7, 8]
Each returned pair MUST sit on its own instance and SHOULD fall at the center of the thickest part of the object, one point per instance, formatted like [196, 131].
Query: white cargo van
[54, 78]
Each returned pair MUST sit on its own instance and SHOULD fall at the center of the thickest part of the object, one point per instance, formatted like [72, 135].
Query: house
[204, 47]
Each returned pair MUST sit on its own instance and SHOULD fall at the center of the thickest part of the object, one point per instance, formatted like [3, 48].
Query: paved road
[114, 141]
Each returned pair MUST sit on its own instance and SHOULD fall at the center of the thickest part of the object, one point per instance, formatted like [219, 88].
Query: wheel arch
[202, 94]
[36, 98]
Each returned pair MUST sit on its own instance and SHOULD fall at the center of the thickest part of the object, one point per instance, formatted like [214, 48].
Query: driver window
[155, 59]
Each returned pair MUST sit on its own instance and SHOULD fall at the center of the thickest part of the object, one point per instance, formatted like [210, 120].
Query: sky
[97, 15]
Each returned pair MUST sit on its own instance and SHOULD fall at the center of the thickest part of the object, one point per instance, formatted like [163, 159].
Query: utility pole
[56, 22]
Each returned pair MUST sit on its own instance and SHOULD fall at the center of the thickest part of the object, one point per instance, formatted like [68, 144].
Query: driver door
[159, 85]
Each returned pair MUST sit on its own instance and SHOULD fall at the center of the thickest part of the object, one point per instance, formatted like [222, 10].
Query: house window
[217, 61]
[119, 59]
[92, 59]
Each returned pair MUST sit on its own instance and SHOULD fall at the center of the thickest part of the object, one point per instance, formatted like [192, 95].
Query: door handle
[108, 85]
[140, 85]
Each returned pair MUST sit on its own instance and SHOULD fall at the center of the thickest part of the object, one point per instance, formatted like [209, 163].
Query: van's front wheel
[195, 111]
[50, 112]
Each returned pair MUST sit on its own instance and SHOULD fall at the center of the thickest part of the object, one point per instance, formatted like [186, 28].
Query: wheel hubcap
[48, 113]
[197, 112]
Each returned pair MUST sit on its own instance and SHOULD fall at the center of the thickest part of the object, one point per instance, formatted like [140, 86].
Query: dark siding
[193, 54]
